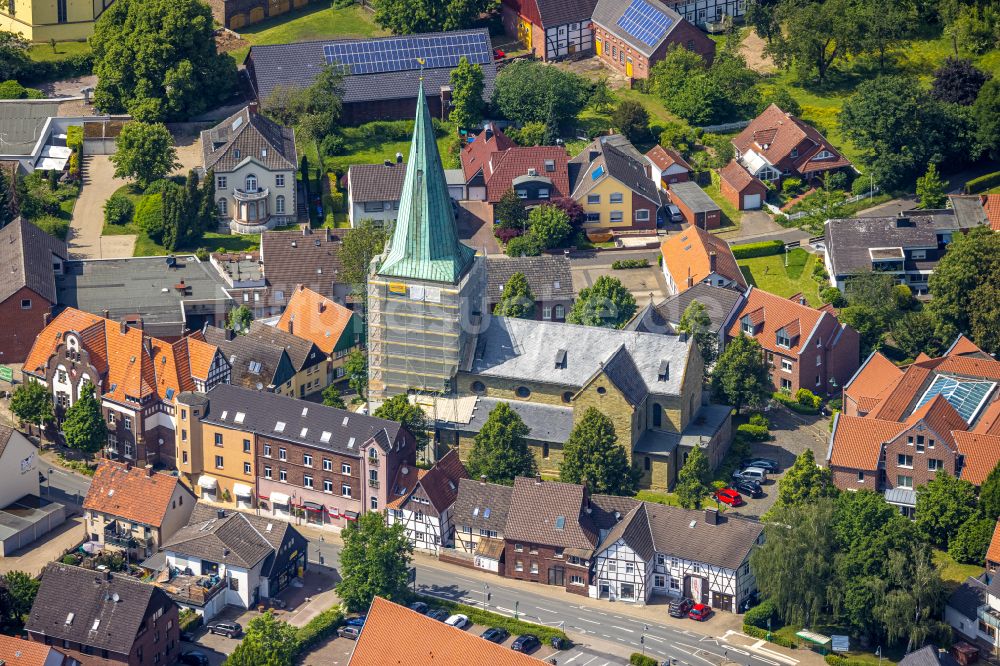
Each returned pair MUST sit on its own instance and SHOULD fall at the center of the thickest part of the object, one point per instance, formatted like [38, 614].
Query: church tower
[426, 293]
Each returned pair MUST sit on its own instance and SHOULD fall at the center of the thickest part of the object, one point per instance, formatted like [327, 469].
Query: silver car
[674, 213]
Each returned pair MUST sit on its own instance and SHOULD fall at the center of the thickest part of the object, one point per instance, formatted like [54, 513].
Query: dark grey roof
[621, 161]
[248, 135]
[22, 122]
[634, 530]
[26, 259]
[301, 352]
[549, 276]
[720, 304]
[299, 421]
[903, 496]
[929, 655]
[969, 211]
[607, 13]
[560, 12]
[693, 197]
[548, 423]
[969, 596]
[376, 182]
[550, 513]
[849, 239]
[89, 596]
[297, 65]
[474, 498]
[256, 364]
[311, 259]
[649, 320]
[5, 434]
[622, 372]
[604, 507]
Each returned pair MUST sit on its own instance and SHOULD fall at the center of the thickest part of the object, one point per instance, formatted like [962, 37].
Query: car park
[194, 658]
[527, 643]
[349, 632]
[755, 473]
[458, 621]
[438, 614]
[680, 607]
[729, 496]
[496, 635]
[228, 629]
[767, 464]
[700, 612]
[358, 621]
[748, 487]
[420, 607]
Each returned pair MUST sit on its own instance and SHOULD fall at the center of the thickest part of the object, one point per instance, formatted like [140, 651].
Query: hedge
[793, 404]
[52, 70]
[639, 659]
[118, 209]
[762, 249]
[488, 619]
[319, 628]
[622, 264]
[189, 620]
[757, 632]
[977, 185]
[760, 614]
[755, 433]
[837, 660]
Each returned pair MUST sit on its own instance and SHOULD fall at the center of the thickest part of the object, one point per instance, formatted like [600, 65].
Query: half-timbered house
[421, 500]
[665, 550]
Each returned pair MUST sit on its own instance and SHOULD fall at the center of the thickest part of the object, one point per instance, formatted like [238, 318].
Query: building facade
[421, 501]
[614, 187]
[62, 21]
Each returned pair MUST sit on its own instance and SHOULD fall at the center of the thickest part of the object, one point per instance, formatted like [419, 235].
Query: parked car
[755, 473]
[729, 496]
[496, 635]
[458, 620]
[194, 658]
[748, 487]
[526, 644]
[420, 607]
[438, 614]
[358, 621]
[680, 607]
[700, 612]
[674, 213]
[349, 632]
[771, 466]
[498, 54]
[228, 629]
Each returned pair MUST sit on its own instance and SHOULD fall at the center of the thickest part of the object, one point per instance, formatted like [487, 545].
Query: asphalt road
[63, 486]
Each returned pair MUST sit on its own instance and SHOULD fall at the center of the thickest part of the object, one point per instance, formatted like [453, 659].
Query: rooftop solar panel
[645, 22]
[405, 53]
[966, 396]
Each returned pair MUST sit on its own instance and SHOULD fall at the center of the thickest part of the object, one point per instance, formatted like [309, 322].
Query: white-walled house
[254, 162]
[18, 466]
[674, 552]
[422, 500]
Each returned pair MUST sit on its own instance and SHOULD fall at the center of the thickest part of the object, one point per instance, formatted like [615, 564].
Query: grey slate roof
[26, 259]
[304, 422]
[301, 352]
[89, 597]
[548, 275]
[622, 372]
[548, 423]
[928, 655]
[297, 65]
[291, 258]
[5, 433]
[536, 507]
[904, 496]
[849, 239]
[693, 197]
[604, 507]
[720, 304]
[559, 12]
[526, 349]
[253, 360]
[607, 13]
[474, 498]
[968, 596]
[376, 182]
[621, 161]
[21, 123]
[255, 137]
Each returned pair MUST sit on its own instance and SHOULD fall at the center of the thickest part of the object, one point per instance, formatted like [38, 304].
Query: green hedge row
[52, 70]
[762, 249]
[837, 660]
[488, 619]
[319, 628]
[793, 404]
[977, 185]
[756, 433]
[639, 659]
[621, 264]
[757, 632]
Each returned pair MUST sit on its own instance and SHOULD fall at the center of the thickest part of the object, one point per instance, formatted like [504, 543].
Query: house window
[920, 448]
[576, 580]
[25, 303]
[127, 421]
[62, 13]
[933, 464]
[307, 460]
[861, 477]
[795, 152]
[246, 468]
[345, 490]
[279, 180]
[267, 471]
[674, 584]
[220, 182]
[374, 207]
[282, 453]
[534, 567]
[903, 460]
[930, 443]
[327, 486]
[612, 567]
[783, 339]
[111, 418]
[819, 360]
[617, 216]
[543, 193]
[223, 206]
[746, 326]
[307, 481]
[218, 439]
[522, 194]
[593, 198]
[219, 462]
[560, 312]
[246, 446]
[629, 568]
[283, 475]
[267, 450]
[614, 51]
[593, 217]
[546, 312]
[518, 548]
[518, 565]
[641, 214]
[345, 469]
[786, 384]
[184, 457]
[373, 504]
[279, 204]
[904, 481]
[550, 165]
[617, 197]
[327, 465]
[251, 183]
[786, 365]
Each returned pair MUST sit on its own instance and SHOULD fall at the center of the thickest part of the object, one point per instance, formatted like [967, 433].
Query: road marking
[654, 638]
[545, 609]
[583, 619]
[572, 659]
[743, 652]
[588, 661]
[506, 610]
[615, 626]
[683, 650]
[767, 661]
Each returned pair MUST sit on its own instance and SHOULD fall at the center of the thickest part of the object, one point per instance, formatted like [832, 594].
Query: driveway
[645, 284]
[84, 239]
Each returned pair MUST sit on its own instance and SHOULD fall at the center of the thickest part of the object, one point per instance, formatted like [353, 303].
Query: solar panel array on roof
[404, 53]
[645, 22]
[966, 396]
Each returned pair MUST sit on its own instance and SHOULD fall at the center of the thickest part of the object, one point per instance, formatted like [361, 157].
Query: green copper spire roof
[424, 243]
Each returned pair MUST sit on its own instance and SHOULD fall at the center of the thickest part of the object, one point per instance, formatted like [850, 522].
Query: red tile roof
[940, 417]
[981, 454]
[132, 493]
[857, 441]
[993, 553]
[782, 132]
[991, 205]
[315, 318]
[738, 177]
[505, 166]
[394, 634]
[989, 422]
[894, 403]
[963, 346]
[687, 254]
[877, 374]
[20, 652]
[476, 155]
[664, 158]
[778, 313]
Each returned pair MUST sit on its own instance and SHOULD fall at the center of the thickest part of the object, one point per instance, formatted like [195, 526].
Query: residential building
[480, 514]
[236, 14]
[373, 192]
[24, 515]
[27, 285]
[61, 21]
[721, 305]
[22, 652]
[804, 347]
[101, 618]
[228, 558]
[492, 165]
[993, 552]
[549, 278]
[550, 29]
[696, 256]
[741, 188]
[427, 641]
[632, 37]
[268, 358]
[777, 145]
[668, 167]
[329, 463]
[136, 376]
[698, 209]
[708, 14]
[991, 208]
[970, 209]
[611, 181]
[381, 70]
[293, 258]
[669, 551]
[900, 427]
[476, 156]
[254, 163]
[421, 500]
[973, 611]
[18, 466]
[929, 655]
[330, 327]
[134, 510]
[549, 536]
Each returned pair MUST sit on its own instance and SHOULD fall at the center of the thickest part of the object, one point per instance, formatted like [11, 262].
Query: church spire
[424, 243]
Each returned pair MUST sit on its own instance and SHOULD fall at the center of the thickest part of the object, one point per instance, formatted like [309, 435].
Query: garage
[751, 201]
[741, 189]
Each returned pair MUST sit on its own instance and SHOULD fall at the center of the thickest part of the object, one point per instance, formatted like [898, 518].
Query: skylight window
[279, 426]
[305, 410]
[350, 443]
[255, 367]
[325, 437]
[303, 433]
[597, 173]
[966, 396]
[239, 417]
[69, 618]
[560, 522]
[224, 414]
[475, 511]
[345, 421]
[486, 512]
[96, 624]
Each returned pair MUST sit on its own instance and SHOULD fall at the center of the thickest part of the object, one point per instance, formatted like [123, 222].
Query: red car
[498, 54]
[700, 612]
[729, 496]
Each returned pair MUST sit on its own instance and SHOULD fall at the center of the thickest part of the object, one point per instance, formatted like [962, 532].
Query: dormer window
[236, 153]
[795, 152]
[783, 339]
[550, 165]
[746, 325]
[823, 155]
[663, 374]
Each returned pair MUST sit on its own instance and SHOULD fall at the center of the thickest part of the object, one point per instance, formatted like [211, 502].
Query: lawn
[364, 147]
[952, 572]
[731, 217]
[146, 247]
[770, 274]
[316, 21]
[63, 51]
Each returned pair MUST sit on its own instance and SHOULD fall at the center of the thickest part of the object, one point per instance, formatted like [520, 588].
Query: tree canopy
[360, 245]
[32, 403]
[267, 641]
[958, 81]
[931, 189]
[805, 481]
[84, 426]
[592, 455]
[692, 480]
[963, 289]
[332, 398]
[529, 91]
[516, 299]
[356, 370]
[500, 450]
[607, 303]
[406, 17]
[238, 319]
[550, 225]
[631, 119]
[943, 505]
[740, 375]
[696, 323]
[313, 110]
[411, 416]
[374, 561]
[144, 152]
[14, 60]
[467, 88]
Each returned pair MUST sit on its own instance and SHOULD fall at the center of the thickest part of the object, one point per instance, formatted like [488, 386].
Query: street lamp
[48, 482]
[642, 639]
[486, 594]
[515, 610]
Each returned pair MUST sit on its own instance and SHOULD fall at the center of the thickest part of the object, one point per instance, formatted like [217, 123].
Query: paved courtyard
[644, 283]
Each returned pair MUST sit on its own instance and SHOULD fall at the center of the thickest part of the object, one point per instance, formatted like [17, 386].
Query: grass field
[731, 217]
[63, 51]
[952, 572]
[770, 274]
[316, 21]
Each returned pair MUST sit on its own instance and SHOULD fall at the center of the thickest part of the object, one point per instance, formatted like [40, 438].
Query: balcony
[373, 483]
[188, 589]
[989, 615]
[256, 195]
[119, 534]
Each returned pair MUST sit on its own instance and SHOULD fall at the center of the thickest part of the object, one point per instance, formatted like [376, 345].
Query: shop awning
[208, 482]
[241, 490]
[279, 498]
[312, 506]
[262, 496]
[351, 515]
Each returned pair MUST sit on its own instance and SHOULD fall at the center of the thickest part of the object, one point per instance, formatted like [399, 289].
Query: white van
[758, 474]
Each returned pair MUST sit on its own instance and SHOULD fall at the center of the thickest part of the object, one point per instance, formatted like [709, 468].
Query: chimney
[329, 234]
[47, 317]
[399, 158]
[230, 334]
[306, 230]
[252, 108]
[712, 516]
[128, 465]
[322, 306]
[122, 327]
[482, 479]
[690, 281]
[108, 575]
[487, 131]
[682, 337]
[106, 314]
[538, 479]
[149, 470]
[711, 260]
[291, 327]
[221, 513]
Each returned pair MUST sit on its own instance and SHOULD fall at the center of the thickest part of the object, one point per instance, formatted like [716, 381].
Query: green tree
[238, 320]
[467, 94]
[526, 91]
[500, 450]
[607, 303]
[398, 408]
[208, 213]
[805, 481]
[882, 27]
[814, 35]
[972, 540]
[870, 307]
[314, 110]
[961, 282]
[780, 97]
[374, 561]
[509, 212]
[516, 299]
[913, 332]
[943, 505]
[32, 403]
[406, 17]
[332, 398]
[631, 119]
[14, 60]
[958, 81]
[145, 152]
[84, 427]
[356, 370]
[696, 323]
[157, 60]
[550, 225]
[986, 113]
[989, 495]
[593, 456]
[931, 190]
[692, 480]
[268, 641]
[7, 212]
[360, 245]
[17, 594]
[740, 375]
[601, 97]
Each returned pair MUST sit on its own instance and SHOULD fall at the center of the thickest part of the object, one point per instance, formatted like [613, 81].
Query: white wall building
[18, 466]
[422, 502]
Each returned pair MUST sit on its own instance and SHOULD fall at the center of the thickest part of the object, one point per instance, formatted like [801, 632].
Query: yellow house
[614, 187]
[44, 20]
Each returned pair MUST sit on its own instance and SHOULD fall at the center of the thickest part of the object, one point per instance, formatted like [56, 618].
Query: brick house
[549, 278]
[492, 165]
[740, 188]
[551, 29]
[22, 652]
[668, 166]
[699, 209]
[631, 38]
[31, 259]
[805, 347]
[103, 618]
[479, 514]
[993, 552]
[236, 14]
[696, 256]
